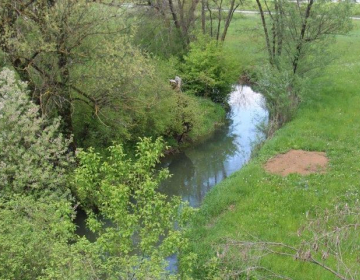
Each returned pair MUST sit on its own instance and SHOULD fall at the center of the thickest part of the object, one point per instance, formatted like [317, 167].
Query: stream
[197, 169]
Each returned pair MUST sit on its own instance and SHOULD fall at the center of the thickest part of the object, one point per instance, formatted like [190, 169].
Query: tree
[133, 100]
[34, 156]
[207, 70]
[35, 206]
[80, 66]
[144, 226]
[37, 234]
[282, 90]
[297, 34]
[43, 41]
[217, 14]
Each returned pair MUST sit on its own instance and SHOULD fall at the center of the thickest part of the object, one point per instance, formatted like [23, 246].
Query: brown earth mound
[297, 161]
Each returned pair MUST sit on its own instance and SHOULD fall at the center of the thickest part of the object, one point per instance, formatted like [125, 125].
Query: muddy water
[197, 169]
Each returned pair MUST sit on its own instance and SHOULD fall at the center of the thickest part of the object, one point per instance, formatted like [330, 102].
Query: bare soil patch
[297, 161]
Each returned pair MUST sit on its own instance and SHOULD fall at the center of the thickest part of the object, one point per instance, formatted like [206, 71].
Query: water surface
[197, 169]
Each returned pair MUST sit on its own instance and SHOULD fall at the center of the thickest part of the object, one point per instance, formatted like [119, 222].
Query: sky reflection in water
[197, 169]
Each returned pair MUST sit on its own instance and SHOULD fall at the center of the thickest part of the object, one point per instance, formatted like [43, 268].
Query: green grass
[250, 5]
[356, 10]
[212, 115]
[271, 207]
[244, 40]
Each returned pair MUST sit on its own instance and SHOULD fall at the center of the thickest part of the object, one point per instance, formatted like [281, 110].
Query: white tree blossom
[33, 155]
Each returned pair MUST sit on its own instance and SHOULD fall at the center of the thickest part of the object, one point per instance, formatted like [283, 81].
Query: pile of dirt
[297, 161]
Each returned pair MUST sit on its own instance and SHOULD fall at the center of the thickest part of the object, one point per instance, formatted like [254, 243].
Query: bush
[34, 157]
[283, 91]
[144, 226]
[31, 232]
[208, 71]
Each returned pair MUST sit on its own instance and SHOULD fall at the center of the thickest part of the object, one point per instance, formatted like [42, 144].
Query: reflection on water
[197, 169]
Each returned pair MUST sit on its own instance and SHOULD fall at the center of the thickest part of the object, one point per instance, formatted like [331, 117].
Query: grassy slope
[244, 39]
[212, 115]
[273, 208]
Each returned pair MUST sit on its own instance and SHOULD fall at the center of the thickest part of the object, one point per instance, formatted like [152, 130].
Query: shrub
[283, 91]
[33, 155]
[208, 71]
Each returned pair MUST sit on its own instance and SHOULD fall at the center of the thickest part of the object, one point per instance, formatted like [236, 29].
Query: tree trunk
[191, 17]
[219, 21]
[280, 26]
[177, 24]
[302, 35]
[181, 15]
[211, 18]
[271, 59]
[21, 70]
[65, 106]
[174, 15]
[203, 19]
[229, 18]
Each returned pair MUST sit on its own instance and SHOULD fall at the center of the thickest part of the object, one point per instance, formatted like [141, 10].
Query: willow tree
[79, 64]
[34, 165]
[41, 40]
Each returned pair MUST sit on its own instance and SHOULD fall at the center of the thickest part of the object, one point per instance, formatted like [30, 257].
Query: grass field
[250, 5]
[254, 204]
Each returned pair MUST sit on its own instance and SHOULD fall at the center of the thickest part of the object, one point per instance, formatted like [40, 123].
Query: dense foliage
[34, 156]
[38, 239]
[80, 77]
[33, 233]
[124, 192]
[95, 75]
[208, 71]
[36, 215]
[81, 63]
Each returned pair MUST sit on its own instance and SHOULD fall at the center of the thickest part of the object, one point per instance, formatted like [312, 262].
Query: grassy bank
[255, 204]
[211, 115]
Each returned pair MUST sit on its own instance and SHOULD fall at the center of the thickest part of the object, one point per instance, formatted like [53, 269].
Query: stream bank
[198, 168]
